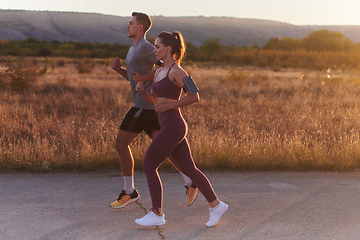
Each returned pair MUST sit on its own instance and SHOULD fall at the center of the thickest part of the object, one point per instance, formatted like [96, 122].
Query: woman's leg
[160, 148]
[182, 155]
[184, 160]
[170, 140]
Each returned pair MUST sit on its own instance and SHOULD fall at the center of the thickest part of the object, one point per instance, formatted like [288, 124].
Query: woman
[165, 95]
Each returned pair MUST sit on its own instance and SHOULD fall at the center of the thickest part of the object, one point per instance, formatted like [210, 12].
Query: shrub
[236, 77]
[85, 66]
[60, 62]
[18, 75]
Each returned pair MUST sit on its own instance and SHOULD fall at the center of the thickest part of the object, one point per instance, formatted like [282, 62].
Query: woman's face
[160, 50]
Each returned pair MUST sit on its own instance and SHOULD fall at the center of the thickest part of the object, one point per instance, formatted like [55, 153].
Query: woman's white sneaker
[216, 213]
[151, 219]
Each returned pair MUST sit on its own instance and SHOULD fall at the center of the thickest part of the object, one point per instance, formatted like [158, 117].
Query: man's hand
[137, 77]
[116, 64]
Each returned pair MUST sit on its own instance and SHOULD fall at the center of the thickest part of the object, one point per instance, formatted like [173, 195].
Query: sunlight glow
[312, 12]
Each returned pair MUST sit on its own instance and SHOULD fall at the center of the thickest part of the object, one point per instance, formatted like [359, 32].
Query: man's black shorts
[138, 120]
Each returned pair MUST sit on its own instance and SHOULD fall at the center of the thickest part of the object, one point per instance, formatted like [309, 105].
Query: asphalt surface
[265, 205]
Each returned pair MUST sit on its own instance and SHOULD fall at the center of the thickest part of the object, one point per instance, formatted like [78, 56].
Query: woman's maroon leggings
[171, 140]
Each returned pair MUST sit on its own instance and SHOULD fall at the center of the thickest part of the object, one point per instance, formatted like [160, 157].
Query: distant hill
[92, 27]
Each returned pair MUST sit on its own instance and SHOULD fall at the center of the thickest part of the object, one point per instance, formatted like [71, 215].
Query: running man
[142, 116]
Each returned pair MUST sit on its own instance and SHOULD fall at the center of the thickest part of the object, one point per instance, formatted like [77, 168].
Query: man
[140, 61]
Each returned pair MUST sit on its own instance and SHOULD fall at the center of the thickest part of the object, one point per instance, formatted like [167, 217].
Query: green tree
[272, 43]
[323, 40]
[211, 45]
[191, 51]
[285, 44]
[45, 51]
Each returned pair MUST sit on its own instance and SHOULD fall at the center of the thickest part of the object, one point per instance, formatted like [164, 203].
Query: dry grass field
[247, 119]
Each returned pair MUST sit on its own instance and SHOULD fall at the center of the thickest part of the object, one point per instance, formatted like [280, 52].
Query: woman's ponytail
[176, 41]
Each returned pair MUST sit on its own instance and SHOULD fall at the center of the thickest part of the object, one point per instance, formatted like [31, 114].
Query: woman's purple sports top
[165, 88]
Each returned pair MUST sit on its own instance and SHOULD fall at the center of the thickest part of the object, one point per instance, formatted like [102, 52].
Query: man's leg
[122, 145]
[134, 122]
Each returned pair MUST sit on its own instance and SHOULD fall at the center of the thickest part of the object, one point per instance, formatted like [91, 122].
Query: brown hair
[143, 19]
[176, 41]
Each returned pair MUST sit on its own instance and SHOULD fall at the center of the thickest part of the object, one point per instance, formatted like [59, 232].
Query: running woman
[171, 139]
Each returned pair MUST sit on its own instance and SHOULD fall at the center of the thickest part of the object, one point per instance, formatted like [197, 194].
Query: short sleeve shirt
[140, 58]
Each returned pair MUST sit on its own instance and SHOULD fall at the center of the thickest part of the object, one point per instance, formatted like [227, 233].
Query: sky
[301, 12]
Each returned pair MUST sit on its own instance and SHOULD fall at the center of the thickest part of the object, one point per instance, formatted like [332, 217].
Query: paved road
[266, 205]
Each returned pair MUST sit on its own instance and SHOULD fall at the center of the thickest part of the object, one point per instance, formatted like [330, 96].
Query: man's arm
[116, 66]
[137, 77]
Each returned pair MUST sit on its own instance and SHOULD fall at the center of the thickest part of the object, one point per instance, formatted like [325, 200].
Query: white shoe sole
[217, 214]
[151, 219]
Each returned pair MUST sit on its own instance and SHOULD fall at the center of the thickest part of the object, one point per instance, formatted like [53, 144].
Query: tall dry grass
[247, 119]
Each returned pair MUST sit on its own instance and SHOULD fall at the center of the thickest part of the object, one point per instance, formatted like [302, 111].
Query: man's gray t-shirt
[141, 59]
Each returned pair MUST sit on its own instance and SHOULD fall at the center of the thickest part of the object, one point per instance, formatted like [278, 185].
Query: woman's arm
[149, 97]
[177, 75]
[185, 101]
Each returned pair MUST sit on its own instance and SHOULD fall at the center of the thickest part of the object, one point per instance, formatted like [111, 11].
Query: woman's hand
[149, 97]
[162, 107]
[140, 87]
